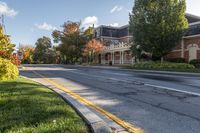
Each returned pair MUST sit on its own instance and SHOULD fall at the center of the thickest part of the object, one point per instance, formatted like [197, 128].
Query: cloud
[90, 21]
[116, 9]
[45, 26]
[114, 25]
[7, 11]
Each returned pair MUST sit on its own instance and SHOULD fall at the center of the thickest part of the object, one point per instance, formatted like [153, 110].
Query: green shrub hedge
[153, 65]
[8, 71]
[176, 60]
[196, 63]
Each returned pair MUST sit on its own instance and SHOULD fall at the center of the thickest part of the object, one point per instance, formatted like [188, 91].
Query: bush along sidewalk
[28, 107]
[196, 63]
[8, 70]
[181, 67]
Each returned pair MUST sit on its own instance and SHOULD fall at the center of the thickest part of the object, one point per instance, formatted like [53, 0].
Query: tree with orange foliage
[92, 49]
[27, 54]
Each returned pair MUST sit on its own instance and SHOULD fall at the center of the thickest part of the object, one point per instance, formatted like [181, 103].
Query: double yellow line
[129, 127]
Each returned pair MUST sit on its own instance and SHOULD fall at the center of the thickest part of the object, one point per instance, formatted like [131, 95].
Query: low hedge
[196, 63]
[176, 60]
[8, 71]
[165, 65]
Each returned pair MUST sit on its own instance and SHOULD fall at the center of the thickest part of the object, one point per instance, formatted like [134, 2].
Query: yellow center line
[129, 127]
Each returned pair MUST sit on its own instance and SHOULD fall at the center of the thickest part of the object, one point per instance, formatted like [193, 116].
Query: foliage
[176, 60]
[43, 52]
[196, 63]
[93, 48]
[8, 70]
[165, 65]
[71, 41]
[158, 25]
[27, 107]
[5, 44]
[136, 51]
[13, 58]
[89, 33]
[28, 52]
[6, 48]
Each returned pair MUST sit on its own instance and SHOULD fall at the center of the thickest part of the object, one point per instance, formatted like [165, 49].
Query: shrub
[153, 65]
[196, 63]
[13, 58]
[8, 71]
[176, 60]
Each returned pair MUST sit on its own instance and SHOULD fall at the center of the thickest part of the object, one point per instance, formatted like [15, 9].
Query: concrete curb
[94, 67]
[135, 70]
[165, 72]
[96, 124]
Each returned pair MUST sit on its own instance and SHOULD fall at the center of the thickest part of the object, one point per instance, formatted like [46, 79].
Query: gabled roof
[192, 18]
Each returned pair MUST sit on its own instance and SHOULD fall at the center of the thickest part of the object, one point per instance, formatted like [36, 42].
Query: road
[158, 103]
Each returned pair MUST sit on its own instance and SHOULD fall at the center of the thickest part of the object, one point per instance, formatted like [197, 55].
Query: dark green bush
[196, 63]
[176, 60]
[153, 65]
[8, 70]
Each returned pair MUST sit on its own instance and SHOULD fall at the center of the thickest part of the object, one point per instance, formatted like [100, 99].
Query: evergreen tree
[158, 25]
[5, 43]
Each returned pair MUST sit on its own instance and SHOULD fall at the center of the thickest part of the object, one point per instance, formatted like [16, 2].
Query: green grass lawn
[27, 107]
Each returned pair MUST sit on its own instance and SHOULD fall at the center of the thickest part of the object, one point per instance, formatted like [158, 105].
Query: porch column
[113, 61]
[102, 58]
[111, 55]
[122, 57]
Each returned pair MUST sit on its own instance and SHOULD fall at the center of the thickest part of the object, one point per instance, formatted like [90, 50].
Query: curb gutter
[96, 124]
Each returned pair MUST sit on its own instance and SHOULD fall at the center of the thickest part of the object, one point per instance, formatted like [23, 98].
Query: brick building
[189, 47]
[117, 41]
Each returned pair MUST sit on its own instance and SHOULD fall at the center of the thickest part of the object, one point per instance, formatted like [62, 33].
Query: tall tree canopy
[43, 51]
[5, 43]
[71, 41]
[92, 49]
[158, 25]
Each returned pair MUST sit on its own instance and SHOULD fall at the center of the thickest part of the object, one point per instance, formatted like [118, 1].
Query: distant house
[117, 41]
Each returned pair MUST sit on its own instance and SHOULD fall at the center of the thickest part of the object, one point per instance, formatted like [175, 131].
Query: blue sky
[27, 20]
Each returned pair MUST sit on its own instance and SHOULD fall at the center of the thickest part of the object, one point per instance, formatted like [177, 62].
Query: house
[117, 42]
[189, 47]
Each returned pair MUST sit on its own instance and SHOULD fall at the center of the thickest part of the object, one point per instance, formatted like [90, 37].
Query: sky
[28, 20]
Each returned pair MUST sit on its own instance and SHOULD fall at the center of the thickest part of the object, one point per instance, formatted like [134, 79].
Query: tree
[158, 25]
[89, 33]
[137, 52]
[93, 48]
[28, 52]
[5, 43]
[43, 52]
[71, 41]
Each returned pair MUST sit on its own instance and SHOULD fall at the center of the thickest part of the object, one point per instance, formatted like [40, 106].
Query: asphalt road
[158, 103]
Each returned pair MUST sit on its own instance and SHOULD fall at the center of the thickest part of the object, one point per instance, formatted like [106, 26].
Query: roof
[192, 18]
